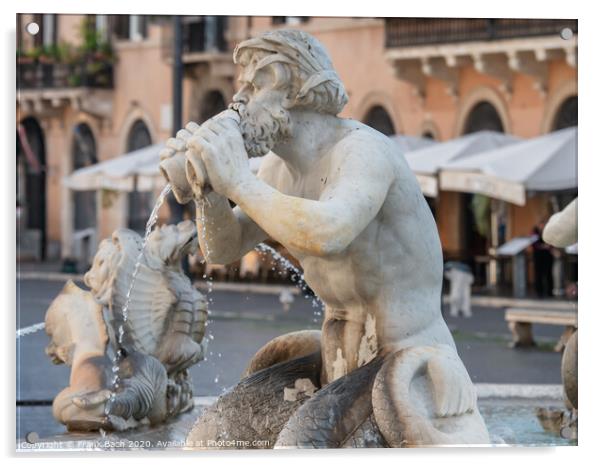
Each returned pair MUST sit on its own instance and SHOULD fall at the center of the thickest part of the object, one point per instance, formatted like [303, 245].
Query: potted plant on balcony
[95, 57]
[23, 57]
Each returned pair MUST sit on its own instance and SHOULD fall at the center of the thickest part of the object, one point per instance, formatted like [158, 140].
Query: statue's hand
[173, 163]
[92, 400]
[178, 144]
[220, 146]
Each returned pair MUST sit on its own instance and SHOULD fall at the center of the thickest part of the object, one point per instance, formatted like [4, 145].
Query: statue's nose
[240, 97]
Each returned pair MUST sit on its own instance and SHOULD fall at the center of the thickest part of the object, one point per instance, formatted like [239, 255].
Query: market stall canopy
[546, 163]
[411, 143]
[134, 171]
[428, 161]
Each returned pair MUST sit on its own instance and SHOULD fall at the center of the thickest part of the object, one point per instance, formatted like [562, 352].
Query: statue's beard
[262, 130]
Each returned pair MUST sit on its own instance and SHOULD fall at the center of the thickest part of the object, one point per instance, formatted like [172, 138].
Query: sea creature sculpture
[79, 338]
[162, 319]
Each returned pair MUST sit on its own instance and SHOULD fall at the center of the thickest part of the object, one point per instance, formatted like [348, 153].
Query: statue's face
[104, 264]
[171, 242]
[264, 121]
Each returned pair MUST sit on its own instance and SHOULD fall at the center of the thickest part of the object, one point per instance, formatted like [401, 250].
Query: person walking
[460, 278]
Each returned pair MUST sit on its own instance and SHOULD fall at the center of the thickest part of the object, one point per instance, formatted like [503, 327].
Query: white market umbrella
[546, 163]
[428, 161]
[410, 143]
[134, 171]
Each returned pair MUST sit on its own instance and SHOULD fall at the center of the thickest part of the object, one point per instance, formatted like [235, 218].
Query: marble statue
[166, 314]
[561, 228]
[79, 338]
[162, 334]
[339, 195]
[561, 231]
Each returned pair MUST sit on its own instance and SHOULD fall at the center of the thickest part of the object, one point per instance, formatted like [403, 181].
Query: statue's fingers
[209, 131]
[183, 134]
[166, 153]
[191, 127]
[91, 400]
[177, 145]
[199, 144]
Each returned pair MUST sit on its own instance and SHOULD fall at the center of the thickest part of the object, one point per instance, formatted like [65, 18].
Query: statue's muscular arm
[228, 232]
[357, 186]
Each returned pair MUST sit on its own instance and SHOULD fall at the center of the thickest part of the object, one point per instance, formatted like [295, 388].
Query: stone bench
[520, 322]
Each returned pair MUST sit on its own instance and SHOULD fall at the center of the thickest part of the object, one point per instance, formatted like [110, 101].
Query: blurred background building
[95, 87]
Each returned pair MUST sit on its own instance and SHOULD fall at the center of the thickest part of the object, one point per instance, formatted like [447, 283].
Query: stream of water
[296, 276]
[152, 220]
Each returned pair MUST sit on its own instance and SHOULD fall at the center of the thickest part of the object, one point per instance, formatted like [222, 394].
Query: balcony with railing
[46, 85]
[204, 46]
[403, 32]
[202, 34]
[91, 74]
[424, 48]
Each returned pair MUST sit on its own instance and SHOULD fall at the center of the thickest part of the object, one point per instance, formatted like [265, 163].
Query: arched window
[379, 119]
[212, 104]
[475, 208]
[31, 189]
[483, 116]
[567, 114]
[139, 203]
[84, 154]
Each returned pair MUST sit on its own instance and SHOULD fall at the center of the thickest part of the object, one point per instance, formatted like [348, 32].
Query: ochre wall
[143, 86]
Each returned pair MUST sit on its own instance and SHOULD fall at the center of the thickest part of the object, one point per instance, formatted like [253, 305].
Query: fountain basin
[509, 412]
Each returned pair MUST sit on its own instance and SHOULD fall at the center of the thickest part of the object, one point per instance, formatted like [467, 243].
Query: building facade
[438, 78]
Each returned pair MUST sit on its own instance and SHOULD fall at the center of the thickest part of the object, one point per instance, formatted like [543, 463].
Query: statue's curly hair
[301, 64]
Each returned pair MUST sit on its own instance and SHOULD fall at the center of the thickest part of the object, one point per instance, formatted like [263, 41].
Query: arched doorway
[483, 116]
[567, 114]
[84, 155]
[378, 118]
[475, 208]
[212, 104]
[139, 203]
[31, 190]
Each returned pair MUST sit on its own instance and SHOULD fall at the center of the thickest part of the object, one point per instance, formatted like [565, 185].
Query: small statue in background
[79, 338]
[561, 232]
[165, 325]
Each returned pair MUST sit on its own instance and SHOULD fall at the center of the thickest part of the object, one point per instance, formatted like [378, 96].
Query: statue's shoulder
[361, 142]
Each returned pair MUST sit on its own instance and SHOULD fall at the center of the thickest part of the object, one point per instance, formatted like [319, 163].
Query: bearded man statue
[383, 370]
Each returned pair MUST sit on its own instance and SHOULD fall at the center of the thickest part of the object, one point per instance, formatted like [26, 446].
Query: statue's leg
[338, 415]
[252, 413]
[284, 348]
[424, 396]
